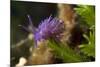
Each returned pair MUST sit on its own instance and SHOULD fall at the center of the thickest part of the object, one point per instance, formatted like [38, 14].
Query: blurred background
[20, 44]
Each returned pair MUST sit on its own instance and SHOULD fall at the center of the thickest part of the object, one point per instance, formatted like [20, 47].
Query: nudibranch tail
[33, 29]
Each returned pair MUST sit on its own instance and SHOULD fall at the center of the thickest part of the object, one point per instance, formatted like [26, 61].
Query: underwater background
[76, 42]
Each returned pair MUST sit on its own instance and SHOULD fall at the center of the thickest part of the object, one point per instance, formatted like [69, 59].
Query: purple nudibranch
[48, 28]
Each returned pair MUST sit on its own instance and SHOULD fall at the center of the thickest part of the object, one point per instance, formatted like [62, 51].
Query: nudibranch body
[48, 28]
